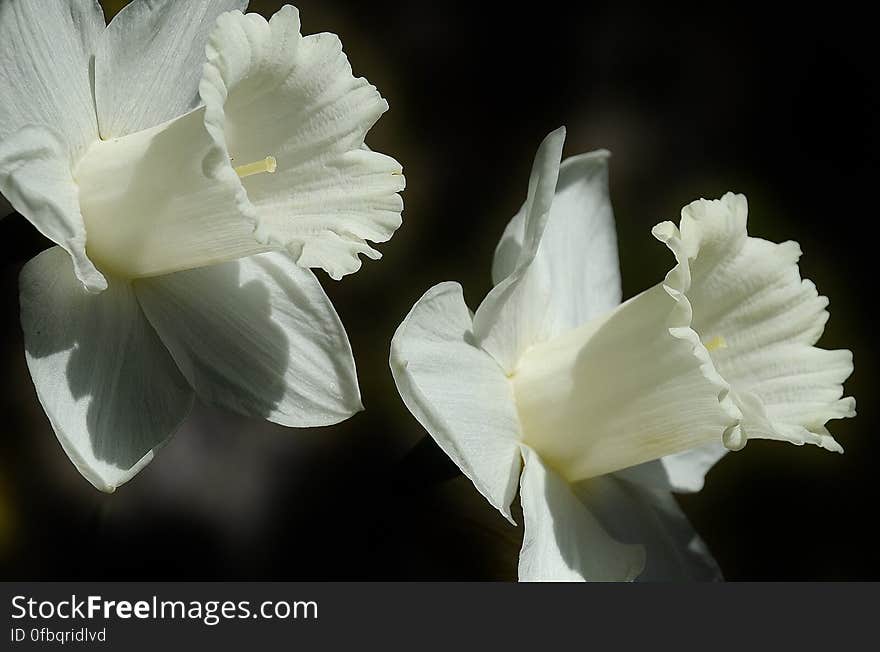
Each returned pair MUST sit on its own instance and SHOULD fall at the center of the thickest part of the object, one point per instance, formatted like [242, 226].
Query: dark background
[780, 106]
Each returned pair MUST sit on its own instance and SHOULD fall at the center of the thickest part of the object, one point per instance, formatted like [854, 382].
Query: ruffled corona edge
[271, 92]
[746, 296]
[677, 283]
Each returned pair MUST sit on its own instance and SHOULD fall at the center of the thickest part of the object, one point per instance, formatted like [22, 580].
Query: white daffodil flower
[600, 410]
[191, 163]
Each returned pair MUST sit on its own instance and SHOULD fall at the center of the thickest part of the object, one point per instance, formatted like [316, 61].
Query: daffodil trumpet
[192, 164]
[598, 410]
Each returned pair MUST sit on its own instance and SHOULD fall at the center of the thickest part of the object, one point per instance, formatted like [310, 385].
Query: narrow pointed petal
[110, 389]
[458, 392]
[258, 336]
[563, 541]
[149, 63]
[35, 175]
[271, 92]
[45, 68]
[634, 512]
[760, 321]
[509, 248]
[578, 249]
[512, 317]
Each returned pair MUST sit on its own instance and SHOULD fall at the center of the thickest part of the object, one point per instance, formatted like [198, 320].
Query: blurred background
[781, 106]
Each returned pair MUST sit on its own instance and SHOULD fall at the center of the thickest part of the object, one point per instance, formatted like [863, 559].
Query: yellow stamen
[716, 342]
[268, 164]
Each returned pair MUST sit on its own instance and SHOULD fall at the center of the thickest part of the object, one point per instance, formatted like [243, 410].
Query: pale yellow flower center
[715, 343]
[268, 164]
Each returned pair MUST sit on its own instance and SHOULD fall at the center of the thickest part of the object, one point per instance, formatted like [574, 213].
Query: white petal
[258, 336]
[44, 68]
[35, 176]
[578, 247]
[149, 64]
[633, 512]
[512, 317]
[109, 387]
[683, 472]
[628, 388]
[509, 248]
[458, 392]
[748, 299]
[686, 471]
[271, 92]
[563, 541]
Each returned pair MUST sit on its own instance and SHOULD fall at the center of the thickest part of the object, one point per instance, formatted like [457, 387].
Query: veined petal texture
[759, 321]
[578, 248]
[621, 390]
[563, 540]
[632, 509]
[149, 62]
[458, 392]
[258, 336]
[512, 317]
[44, 68]
[271, 92]
[110, 389]
[36, 177]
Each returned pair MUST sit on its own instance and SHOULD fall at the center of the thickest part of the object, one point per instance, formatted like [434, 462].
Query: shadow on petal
[110, 389]
[257, 336]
